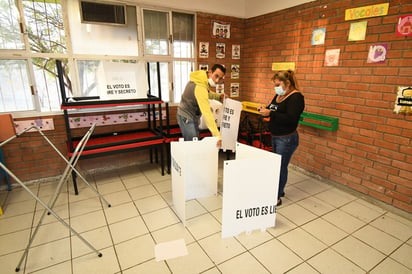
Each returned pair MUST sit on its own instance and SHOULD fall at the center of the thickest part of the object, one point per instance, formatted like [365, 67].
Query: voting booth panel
[217, 108]
[229, 126]
[194, 171]
[250, 186]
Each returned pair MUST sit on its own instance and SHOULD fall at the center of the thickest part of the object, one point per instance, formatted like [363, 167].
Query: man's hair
[218, 66]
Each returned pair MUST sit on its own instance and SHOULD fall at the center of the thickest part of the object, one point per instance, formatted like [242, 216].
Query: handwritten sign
[367, 11]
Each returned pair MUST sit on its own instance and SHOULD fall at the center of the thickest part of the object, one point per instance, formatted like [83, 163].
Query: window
[33, 36]
[30, 83]
[156, 32]
[183, 48]
[10, 35]
[156, 29]
[14, 81]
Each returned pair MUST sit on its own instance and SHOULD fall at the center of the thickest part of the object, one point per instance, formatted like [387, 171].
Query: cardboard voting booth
[194, 171]
[250, 186]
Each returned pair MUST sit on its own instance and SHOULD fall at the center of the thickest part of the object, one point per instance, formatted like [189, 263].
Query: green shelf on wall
[319, 121]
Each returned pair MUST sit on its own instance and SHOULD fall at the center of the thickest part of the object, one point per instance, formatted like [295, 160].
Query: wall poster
[203, 49]
[234, 90]
[403, 101]
[234, 71]
[235, 51]
[377, 53]
[221, 30]
[220, 50]
[404, 26]
[204, 67]
[357, 31]
[332, 57]
[318, 36]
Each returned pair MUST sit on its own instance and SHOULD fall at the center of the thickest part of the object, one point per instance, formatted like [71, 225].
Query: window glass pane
[156, 32]
[44, 22]
[164, 80]
[88, 70]
[15, 92]
[183, 33]
[181, 71]
[87, 77]
[104, 39]
[47, 83]
[10, 36]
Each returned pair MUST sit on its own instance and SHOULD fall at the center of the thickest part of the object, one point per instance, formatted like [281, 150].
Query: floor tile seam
[204, 251]
[218, 265]
[4, 217]
[377, 217]
[366, 270]
[154, 210]
[204, 206]
[152, 195]
[13, 252]
[300, 227]
[393, 252]
[123, 220]
[44, 268]
[111, 240]
[202, 214]
[386, 233]
[327, 244]
[315, 213]
[117, 204]
[112, 245]
[352, 234]
[312, 194]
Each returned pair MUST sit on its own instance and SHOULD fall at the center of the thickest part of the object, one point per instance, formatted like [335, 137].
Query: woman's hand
[263, 111]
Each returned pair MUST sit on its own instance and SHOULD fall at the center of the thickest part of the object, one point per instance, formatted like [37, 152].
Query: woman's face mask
[279, 90]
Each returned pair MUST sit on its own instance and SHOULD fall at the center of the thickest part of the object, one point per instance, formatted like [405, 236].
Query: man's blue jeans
[285, 146]
[188, 127]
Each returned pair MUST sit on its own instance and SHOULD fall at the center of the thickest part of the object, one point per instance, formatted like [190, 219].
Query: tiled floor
[319, 229]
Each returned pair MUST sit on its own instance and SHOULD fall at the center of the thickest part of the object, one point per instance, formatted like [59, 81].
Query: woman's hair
[286, 75]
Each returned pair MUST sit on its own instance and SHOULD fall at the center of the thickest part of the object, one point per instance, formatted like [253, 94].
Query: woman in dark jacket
[284, 111]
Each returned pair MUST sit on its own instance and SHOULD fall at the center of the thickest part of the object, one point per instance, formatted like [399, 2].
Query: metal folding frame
[48, 208]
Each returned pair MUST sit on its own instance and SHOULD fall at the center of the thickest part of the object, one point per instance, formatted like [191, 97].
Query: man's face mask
[211, 82]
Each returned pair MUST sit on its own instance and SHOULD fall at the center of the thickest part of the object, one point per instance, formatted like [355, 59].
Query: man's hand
[222, 97]
[219, 143]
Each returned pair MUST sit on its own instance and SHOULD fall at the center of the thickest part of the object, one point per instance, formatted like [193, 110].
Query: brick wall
[372, 150]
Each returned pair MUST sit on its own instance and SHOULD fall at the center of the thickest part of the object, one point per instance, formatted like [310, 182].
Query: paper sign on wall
[250, 186]
[229, 126]
[116, 81]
